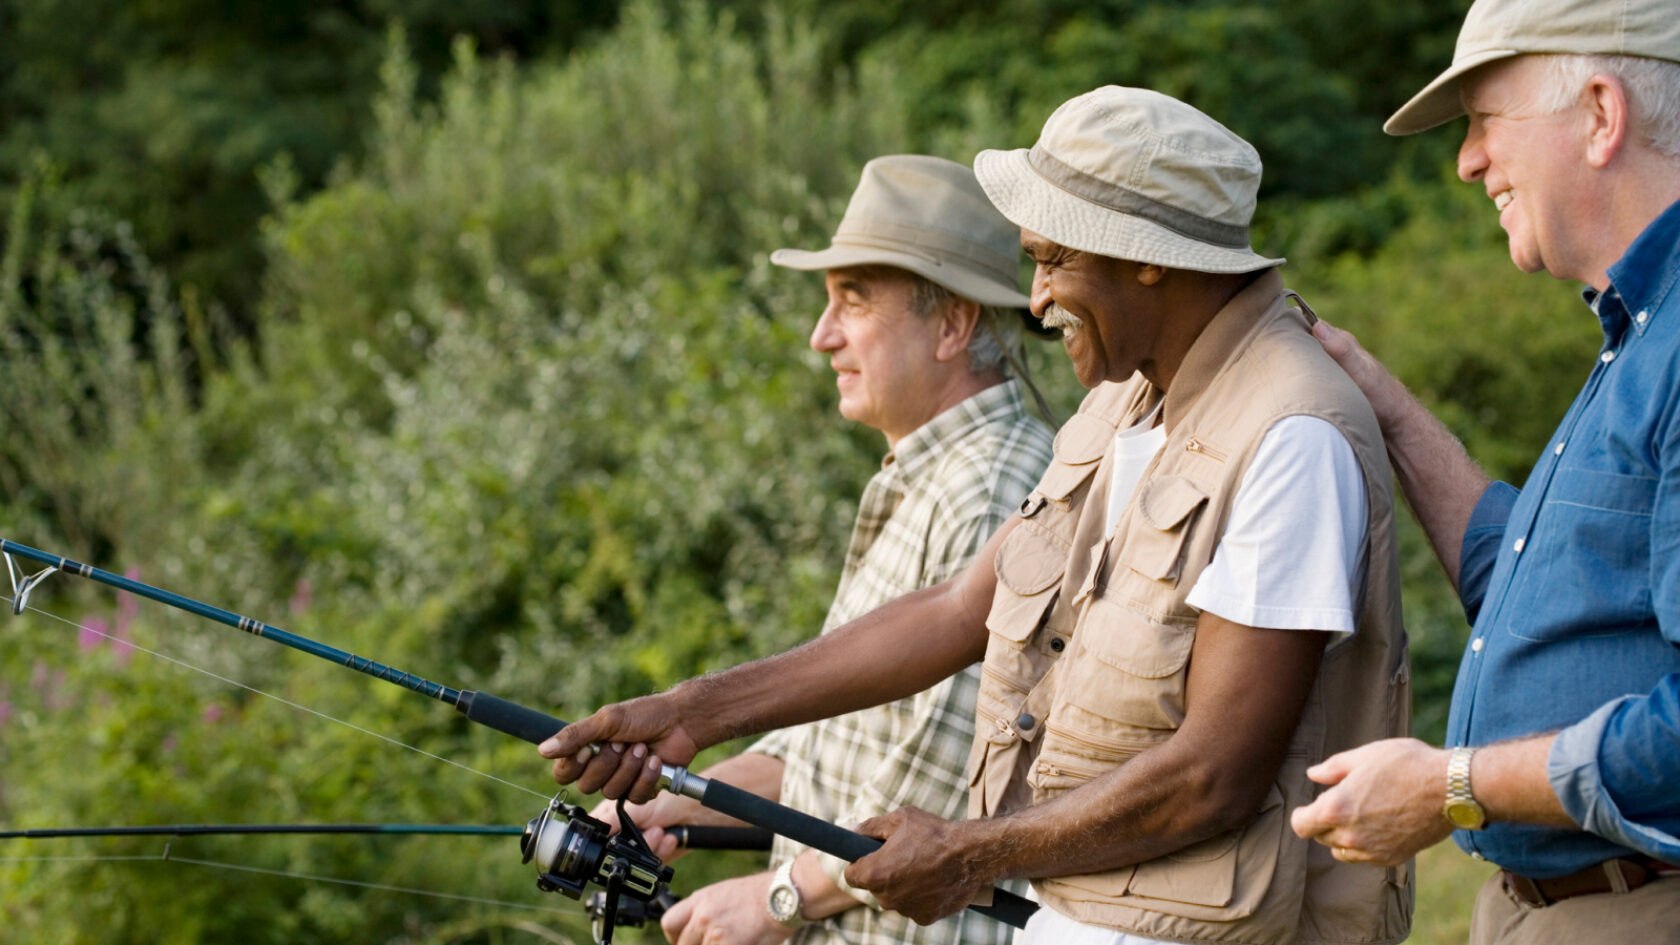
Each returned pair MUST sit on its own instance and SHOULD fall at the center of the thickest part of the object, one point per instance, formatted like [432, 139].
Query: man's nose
[826, 335]
[1040, 299]
[1472, 157]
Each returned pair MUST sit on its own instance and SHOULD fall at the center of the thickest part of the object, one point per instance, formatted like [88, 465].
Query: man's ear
[957, 325]
[1610, 117]
[1149, 273]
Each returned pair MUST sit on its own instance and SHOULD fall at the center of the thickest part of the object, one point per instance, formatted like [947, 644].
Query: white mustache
[1057, 317]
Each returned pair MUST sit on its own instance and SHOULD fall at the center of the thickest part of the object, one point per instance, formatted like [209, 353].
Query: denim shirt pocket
[1592, 536]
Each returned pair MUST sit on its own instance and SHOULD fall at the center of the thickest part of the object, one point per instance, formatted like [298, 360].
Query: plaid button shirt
[939, 496]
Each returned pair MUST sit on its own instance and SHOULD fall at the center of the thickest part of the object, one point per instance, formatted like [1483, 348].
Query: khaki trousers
[1649, 915]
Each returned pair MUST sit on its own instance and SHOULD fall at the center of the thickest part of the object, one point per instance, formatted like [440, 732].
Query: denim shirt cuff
[1572, 767]
[1479, 549]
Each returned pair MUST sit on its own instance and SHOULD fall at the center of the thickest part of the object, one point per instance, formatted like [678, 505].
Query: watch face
[1466, 814]
[783, 902]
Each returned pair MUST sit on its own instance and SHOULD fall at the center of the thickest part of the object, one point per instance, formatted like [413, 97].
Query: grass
[1447, 884]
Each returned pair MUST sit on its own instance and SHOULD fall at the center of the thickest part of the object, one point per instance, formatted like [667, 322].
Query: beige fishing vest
[1090, 637]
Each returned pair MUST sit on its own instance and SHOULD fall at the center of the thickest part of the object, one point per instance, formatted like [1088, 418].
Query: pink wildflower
[94, 632]
[303, 596]
[213, 713]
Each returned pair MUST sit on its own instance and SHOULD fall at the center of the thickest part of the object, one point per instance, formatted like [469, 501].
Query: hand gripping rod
[521, 722]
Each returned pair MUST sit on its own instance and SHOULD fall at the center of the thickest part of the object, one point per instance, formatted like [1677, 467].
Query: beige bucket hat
[1499, 29]
[927, 215]
[1134, 175]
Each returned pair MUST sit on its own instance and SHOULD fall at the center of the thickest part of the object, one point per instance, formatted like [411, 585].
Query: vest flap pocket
[1081, 442]
[1030, 561]
[1083, 439]
[1154, 548]
[1221, 878]
[1130, 642]
[1166, 501]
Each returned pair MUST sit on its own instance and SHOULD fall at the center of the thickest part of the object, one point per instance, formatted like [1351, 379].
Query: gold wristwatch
[784, 902]
[1461, 809]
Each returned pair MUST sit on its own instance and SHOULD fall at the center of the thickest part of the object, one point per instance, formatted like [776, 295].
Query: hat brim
[1030, 201]
[969, 285]
[1441, 100]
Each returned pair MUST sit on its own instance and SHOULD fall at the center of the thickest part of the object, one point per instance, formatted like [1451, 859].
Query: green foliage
[529, 411]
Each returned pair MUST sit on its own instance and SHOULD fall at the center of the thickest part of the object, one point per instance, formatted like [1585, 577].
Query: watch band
[784, 903]
[1461, 808]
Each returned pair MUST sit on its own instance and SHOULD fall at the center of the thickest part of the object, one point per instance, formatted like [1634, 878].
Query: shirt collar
[923, 444]
[1642, 279]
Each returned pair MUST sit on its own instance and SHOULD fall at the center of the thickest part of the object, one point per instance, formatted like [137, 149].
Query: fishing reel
[572, 849]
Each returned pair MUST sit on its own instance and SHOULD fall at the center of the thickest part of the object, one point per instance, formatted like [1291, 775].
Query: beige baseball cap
[1136, 175]
[927, 215]
[1500, 29]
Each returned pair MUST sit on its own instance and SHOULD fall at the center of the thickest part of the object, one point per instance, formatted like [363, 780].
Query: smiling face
[1107, 321]
[1532, 164]
[886, 356]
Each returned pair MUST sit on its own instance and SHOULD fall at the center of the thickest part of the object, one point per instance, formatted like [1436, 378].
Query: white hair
[996, 328]
[1652, 85]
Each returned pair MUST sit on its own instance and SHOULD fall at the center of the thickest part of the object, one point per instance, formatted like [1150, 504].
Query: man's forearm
[1440, 480]
[895, 651]
[1510, 782]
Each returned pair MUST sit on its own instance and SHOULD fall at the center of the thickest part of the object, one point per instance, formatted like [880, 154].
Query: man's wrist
[783, 901]
[1461, 808]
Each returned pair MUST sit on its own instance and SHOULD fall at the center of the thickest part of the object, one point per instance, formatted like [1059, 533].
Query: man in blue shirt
[1566, 713]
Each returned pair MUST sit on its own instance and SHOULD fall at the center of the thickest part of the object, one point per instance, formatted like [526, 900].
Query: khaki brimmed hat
[1500, 29]
[1134, 175]
[927, 215]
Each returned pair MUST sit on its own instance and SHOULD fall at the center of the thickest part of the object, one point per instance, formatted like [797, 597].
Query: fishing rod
[568, 856]
[688, 836]
[629, 913]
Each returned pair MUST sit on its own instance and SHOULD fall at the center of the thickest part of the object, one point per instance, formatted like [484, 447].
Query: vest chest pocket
[1127, 678]
[1029, 567]
[1165, 516]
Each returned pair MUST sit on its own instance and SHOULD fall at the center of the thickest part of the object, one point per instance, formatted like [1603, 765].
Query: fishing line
[281, 699]
[167, 857]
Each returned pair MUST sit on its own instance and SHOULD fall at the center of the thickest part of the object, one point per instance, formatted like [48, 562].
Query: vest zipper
[1195, 445]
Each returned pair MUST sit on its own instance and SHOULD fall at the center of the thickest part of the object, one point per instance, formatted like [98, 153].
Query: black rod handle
[701, 837]
[508, 717]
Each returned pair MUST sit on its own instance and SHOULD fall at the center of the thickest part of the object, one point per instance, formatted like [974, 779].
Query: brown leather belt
[1619, 875]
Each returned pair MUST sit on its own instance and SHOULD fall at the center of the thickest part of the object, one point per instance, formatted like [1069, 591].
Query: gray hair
[1653, 91]
[997, 333]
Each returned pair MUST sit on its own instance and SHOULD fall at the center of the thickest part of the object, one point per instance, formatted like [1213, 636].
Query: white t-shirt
[1292, 553]
[1291, 558]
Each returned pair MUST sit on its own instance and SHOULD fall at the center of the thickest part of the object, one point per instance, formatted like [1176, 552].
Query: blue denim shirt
[1573, 589]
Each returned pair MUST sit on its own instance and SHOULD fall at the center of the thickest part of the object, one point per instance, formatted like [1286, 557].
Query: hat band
[931, 245]
[1113, 197]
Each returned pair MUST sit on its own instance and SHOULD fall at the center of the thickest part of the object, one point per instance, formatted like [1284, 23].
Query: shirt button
[1558, 451]
[1476, 645]
[1642, 317]
[1607, 357]
[1477, 857]
[1517, 545]
[1026, 722]
[1058, 644]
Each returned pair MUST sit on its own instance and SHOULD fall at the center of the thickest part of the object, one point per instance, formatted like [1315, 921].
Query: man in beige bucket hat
[1564, 730]
[922, 326]
[1197, 601]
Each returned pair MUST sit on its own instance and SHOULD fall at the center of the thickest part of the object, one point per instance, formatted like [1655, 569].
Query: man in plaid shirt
[923, 329]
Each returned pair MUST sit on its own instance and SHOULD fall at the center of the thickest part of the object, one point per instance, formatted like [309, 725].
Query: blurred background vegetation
[445, 333]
